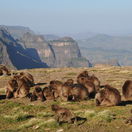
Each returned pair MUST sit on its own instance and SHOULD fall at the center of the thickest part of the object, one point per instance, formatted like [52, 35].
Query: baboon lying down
[108, 96]
[37, 94]
[4, 70]
[62, 115]
[127, 90]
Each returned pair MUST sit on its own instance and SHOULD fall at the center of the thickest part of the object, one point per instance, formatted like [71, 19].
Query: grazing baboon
[62, 115]
[56, 87]
[28, 78]
[108, 96]
[37, 94]
[23, 88]
[79, 92]
[12, 86]
[4, 70]
[127, 90]
[48, 93]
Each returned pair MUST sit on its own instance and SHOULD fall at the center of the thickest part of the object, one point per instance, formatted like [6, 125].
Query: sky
[69, 16]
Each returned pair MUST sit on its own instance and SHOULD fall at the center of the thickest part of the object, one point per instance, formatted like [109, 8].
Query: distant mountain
[103, 47]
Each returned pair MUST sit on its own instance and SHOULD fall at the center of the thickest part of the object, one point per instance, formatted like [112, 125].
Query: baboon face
[69, 82]
[48, 93]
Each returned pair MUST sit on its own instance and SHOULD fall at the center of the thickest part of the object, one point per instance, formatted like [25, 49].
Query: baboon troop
[86, 87]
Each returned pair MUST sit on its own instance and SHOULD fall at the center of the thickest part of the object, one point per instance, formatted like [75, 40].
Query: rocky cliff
[34, 51]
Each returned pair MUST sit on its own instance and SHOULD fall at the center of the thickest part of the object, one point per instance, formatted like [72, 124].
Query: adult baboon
[56, 87]
[37, 94]
[108, 96]
[62, 115]
[48, 93]
[127, 90]
[23, 88]
[79, 92]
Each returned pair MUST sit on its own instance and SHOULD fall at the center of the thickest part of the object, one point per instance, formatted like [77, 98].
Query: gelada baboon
[12, 86]
[56, 87]
[23, 88]
[37, 94]
[62, 115]
[79, 92]
[48, 93]
[82, 77]
[127, 90]
[108, 96]
[4, 70]
[28, 78]
[95, 81]
[66, 90]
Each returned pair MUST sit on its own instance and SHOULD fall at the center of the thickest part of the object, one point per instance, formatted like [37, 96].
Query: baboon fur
[127, 90]
[62, 115]
[37, 94]
[108, 96]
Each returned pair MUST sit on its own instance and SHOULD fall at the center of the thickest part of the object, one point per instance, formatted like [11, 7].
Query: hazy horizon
[69, 16]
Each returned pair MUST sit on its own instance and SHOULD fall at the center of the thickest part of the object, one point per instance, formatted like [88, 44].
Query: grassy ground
[23, 115]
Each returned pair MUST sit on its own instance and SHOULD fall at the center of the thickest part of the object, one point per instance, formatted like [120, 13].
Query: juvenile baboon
[108, 96]
[12, 86]
[4, 70]
[62, 115]
[48, 93]
[56, 87]
[37, 94]
[23, 88]
[127, 90]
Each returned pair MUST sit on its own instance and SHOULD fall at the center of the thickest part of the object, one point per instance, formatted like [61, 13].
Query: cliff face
[33, 51]
[63, 52]
[67, 53]
[14, 54]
